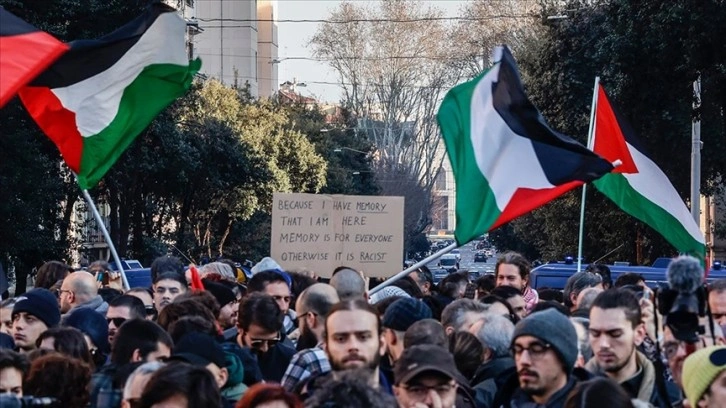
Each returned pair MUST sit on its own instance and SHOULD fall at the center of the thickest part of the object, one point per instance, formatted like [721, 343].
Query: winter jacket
[642, 385]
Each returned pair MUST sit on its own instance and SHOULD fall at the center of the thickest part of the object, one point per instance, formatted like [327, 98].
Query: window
[440, 180]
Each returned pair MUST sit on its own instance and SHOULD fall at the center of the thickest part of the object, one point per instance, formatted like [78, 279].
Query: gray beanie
[554, 328]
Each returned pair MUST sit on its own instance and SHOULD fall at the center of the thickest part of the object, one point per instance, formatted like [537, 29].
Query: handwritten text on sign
[322, 232]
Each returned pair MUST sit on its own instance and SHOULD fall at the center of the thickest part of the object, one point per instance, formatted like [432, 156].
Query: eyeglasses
[258, 343]
[62, 291]
[536, 350]
[117, 321]
[420, 391]
[150, 310]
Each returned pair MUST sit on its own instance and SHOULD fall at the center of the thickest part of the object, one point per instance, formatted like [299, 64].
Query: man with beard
[353, 339]
[227, 317]
[544, 345]
[258, 329]
[512, 269]
[312, 306]
[616, 329]
[121, 309]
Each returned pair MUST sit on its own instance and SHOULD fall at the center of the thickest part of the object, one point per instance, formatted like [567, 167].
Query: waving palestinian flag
[24, 52]
[639, 187]
[101, 94]
[506, 159]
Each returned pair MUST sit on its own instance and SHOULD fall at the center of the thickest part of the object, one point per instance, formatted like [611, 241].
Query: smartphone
[102, 277]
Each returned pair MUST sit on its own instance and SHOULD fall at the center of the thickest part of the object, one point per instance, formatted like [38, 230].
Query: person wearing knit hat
[544, 345]
[399, 316]
[34, 312]
[227, 301]
[704, 377]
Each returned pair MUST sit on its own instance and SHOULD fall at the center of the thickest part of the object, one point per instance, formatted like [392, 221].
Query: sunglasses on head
[258, 343]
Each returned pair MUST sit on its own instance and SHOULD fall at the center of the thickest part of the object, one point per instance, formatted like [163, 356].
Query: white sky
[293, 38]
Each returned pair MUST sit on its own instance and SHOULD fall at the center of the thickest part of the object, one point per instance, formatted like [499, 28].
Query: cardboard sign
[322, 232]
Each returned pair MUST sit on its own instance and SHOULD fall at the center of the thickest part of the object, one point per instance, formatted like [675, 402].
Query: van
[555, 275]
[449, 262]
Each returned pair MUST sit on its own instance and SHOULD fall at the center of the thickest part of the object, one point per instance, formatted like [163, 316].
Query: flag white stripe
[652, 183]
[507, 161]
[96, 100]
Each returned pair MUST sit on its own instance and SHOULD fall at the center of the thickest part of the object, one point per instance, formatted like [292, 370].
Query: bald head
[318, 298]
[77, 288]
[426, 331]
[349, 284]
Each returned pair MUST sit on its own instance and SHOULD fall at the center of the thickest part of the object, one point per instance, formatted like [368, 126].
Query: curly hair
[50, 273]
[186, 307]
[58, 376]
[68, 341]
[350, 391]
[261, 393]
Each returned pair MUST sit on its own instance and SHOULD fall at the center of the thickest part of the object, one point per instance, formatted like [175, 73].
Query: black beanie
[223, 294]
[40, 303]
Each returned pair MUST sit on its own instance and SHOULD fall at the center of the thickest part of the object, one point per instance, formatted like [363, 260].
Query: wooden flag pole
[101, 224]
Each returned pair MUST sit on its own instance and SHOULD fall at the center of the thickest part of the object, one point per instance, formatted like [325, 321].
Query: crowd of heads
[210, 336]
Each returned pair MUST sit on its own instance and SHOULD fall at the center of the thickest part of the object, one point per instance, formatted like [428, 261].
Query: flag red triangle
[609, 138]
[25, 52]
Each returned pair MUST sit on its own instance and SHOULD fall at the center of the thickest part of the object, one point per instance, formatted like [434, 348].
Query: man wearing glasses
[312, 306]
[426, 375]
[259, 323]
[616, 330]
[544, 346]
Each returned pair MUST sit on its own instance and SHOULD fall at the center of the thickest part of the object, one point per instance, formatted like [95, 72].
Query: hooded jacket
[647, 391]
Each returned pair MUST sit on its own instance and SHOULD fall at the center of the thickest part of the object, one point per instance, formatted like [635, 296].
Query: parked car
[480, 256]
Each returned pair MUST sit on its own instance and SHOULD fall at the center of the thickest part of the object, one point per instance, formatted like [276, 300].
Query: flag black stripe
[88, 58]
[561, 157]
[10, 24]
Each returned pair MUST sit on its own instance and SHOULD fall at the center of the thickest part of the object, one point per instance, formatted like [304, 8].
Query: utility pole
[696, 152]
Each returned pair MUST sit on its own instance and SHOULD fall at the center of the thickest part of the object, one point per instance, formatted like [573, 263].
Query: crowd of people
[214, 338]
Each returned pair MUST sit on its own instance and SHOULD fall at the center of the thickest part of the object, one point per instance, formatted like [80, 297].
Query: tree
[39, 190]
[394, 69]
[647, 55]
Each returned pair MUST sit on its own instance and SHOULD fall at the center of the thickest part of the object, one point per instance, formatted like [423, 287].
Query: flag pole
[101, 224]
[590, 144]
[412, 268]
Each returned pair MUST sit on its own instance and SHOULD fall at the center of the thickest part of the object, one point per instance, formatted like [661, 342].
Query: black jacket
[489, 377]
[511, 396]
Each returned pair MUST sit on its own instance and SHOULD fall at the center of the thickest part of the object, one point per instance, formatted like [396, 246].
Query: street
[467, 263]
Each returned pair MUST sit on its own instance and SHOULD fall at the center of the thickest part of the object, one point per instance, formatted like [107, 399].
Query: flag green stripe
[154, 89]
[476, 207]
[616, 187]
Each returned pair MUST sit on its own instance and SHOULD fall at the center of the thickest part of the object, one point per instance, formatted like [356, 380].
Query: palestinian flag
[638, 186]
[506, 159]
[102, 93]
[25, 52]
